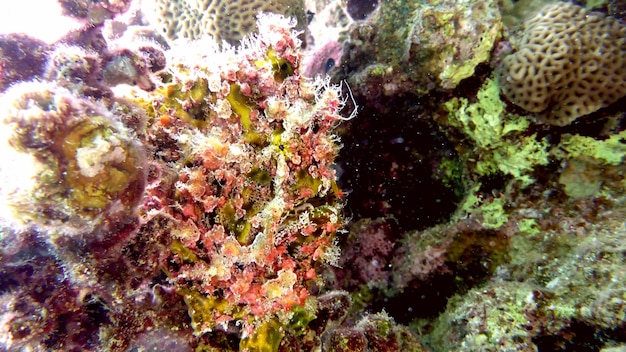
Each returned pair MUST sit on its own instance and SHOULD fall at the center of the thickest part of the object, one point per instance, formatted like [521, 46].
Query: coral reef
[539, 210]
[95, 175]
[374, 332]
[367, 257]
[94, 12]
[500, 143]
[536, 303]
[569, 62]
[95, 74]
[223, 20]
[181, 195]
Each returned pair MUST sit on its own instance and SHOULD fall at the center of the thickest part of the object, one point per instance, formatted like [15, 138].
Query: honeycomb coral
[221, 19]
[569, 63]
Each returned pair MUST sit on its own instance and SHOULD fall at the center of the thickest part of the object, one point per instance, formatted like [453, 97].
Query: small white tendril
[343, 102]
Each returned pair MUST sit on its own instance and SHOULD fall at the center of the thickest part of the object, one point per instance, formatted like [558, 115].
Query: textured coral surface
[569, 63]
[419, 46]
[221, 19]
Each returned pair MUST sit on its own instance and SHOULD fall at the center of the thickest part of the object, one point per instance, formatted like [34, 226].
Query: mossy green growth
[384, 326]
[300, 319]
[395, 22]
[361, 298]
[591, 165]
[459, 70]
[609, 152]
[500, 145]
[583, 177]
[452, 174]
[528, 226]
[503, 317]
[431, 44]
[493, 212]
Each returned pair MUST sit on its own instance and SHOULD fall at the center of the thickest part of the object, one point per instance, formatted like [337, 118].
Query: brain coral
[227, 20]
[569, 62]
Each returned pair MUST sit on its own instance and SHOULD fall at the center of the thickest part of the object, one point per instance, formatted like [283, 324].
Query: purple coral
[22, 58]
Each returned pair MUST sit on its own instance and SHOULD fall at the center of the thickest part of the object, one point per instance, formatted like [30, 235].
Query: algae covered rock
[416, 46]
[78, 165]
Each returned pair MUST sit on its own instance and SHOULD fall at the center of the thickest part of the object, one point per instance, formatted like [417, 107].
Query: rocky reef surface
[370, 175]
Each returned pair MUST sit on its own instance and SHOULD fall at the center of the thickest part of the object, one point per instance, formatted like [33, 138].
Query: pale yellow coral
[568, 63]
[228, 20]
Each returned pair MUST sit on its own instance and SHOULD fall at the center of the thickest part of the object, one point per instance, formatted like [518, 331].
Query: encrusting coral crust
[419, 46]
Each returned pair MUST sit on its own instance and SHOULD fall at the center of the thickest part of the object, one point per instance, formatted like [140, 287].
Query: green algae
[500, 144]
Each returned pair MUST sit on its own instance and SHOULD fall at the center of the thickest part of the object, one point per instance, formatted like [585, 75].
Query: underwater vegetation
[363, 176]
